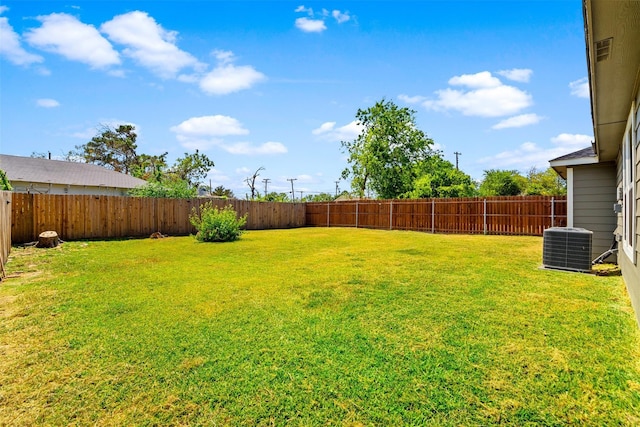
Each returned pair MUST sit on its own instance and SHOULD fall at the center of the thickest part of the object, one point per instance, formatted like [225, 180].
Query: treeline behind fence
[529, 215]
[98, 217]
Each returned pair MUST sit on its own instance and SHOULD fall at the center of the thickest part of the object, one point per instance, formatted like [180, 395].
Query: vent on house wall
[567, 248]
[603, 49]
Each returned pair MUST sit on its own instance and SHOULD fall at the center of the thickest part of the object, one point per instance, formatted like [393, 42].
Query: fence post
[328, 207]
[553, 211]
[433, 216]
[485, 216]
[391, 215]
[356, 214]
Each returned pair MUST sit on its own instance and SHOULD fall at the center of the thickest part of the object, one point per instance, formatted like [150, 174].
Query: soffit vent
[603, 49]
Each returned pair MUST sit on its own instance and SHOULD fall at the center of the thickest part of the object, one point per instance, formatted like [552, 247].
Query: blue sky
[277, 84]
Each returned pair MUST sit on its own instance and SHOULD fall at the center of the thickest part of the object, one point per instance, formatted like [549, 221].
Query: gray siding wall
[631, 275]
[631, 266]
[594, 194]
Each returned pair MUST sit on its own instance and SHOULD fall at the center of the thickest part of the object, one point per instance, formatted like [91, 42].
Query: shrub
[217, 225]
[4, 182]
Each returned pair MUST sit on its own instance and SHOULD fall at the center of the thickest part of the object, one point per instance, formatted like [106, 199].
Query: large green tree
[221, 191]
[499, 182]
[439, 178]
[545, 183]
[192, 168]
[114, 148]
[385, 156]
[150, 168]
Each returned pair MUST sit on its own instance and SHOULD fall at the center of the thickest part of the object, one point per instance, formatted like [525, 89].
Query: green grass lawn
[316, 326]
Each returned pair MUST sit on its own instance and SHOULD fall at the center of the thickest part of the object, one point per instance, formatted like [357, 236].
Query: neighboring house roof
[586, 156]
[580, 154]
[30, 169]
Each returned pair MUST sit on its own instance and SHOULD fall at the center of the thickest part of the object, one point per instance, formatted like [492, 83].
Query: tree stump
[48, 239]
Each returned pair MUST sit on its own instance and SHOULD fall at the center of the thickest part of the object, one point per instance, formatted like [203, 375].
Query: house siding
[593, 198]
[631, 275]
[629, 265]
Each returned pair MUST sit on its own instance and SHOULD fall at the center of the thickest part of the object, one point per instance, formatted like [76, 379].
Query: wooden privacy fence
[5, 229]
[529, 215]
[96, 217]
[77, 217]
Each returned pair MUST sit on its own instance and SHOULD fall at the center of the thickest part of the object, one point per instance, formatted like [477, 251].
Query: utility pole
[266, 181]
[337, 187]
[457, 154]
[301, 192]
[293, 194]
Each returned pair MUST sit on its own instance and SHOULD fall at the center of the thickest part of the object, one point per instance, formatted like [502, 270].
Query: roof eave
[613, 78]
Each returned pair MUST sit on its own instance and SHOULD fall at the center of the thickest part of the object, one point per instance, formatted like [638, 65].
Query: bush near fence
[520, 215]
[77, 217]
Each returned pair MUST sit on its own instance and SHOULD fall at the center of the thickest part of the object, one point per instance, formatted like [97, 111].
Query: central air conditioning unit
[567, 248]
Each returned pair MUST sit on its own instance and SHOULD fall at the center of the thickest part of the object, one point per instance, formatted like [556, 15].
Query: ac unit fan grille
[567, 248]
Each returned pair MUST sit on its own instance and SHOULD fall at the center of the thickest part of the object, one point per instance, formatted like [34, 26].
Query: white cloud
[518, 121]
[529, 154]
[247, 148]
[483, 79]
[85, 134]
[487, 97]
[572, 140]
[199, 143]
[117, 73]
[217, 176]
[315, 22]
[324, 128]
[10, 46]
[3, 9]
[310, 25]
[329, 132]
[223, 56]
[522, 75]
[65, 35]
[303, 9]
[305, 178]
[340, 17]
[523, 158]
[206, 132]
[228, 78]
[149, 44]
[47, 103]
[208, 126]
[580, 88]
[411, 99]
